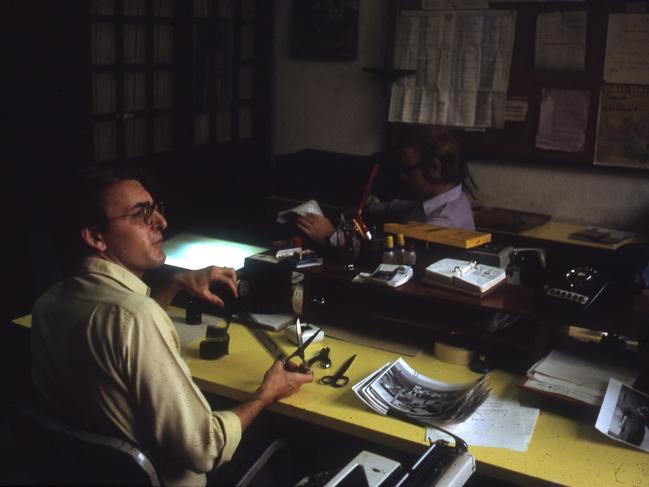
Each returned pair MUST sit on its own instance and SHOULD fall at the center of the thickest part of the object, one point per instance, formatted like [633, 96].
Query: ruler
[268, 343]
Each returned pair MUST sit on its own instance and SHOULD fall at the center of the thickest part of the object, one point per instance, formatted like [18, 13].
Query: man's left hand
[198, 282]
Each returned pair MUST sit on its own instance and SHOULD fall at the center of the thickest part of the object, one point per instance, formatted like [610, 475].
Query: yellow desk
[562, 450]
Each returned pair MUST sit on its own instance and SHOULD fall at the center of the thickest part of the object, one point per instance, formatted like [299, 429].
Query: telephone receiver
[527, 266]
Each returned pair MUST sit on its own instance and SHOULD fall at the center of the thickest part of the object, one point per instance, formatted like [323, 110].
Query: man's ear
[433, 173]
[93, 238]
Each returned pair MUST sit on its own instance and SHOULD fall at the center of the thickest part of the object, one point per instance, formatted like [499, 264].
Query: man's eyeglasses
[145, 212]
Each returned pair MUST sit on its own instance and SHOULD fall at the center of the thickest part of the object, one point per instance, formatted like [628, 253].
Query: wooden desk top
[563, 450]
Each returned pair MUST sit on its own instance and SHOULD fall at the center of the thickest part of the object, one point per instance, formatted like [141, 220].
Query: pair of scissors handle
[335, 380]
[339, 379]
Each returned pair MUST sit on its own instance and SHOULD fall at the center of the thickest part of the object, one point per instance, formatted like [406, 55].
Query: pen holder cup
[216, 343]
[347, 243]
[371, 253]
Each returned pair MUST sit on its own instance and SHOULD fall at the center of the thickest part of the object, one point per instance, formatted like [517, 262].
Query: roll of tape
[452, 354]
[297, 299]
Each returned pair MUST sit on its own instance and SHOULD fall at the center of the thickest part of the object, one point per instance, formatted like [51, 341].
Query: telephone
[578, 288]
[589, 288]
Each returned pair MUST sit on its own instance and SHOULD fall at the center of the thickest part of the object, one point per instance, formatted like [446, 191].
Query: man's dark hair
[80, 205]
[435, 143]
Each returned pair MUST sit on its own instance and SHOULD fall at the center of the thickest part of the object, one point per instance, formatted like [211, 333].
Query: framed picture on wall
[324, 29]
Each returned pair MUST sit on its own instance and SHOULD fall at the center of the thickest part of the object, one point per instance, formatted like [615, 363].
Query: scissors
[301, 346]
[339, 379]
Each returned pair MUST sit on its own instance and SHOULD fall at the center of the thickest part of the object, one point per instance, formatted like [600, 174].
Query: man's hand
[279, 381]
[198, 283]
[282, 381]
[316, 227]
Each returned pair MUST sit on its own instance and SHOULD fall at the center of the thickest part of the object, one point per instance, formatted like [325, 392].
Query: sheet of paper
[498, 423]
[563, 120]
[623, 126]
[516, 109]
[627, 49]
[561, 40]
[624, 415]
[462, 59]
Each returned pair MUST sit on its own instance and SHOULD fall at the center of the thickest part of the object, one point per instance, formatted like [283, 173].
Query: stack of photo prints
[397, 389]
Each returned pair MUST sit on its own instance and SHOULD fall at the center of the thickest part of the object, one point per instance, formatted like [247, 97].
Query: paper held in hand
[464, 276]
[398, 389]
[310, 206]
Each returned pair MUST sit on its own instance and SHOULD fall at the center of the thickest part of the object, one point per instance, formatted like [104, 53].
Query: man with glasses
[433, 177]
[105, 354]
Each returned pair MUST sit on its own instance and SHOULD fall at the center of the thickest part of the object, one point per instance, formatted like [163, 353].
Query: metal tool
[323, 357]
[339, 379]
[268, 343]
[299, 351]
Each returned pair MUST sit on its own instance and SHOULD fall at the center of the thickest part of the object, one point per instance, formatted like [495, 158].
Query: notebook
[464, 276]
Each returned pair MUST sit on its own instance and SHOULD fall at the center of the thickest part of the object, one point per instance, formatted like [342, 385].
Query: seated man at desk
[105, 354]
[434, 178]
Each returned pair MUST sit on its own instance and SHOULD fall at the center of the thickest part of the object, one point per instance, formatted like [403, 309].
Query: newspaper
[396, 388]
[624, 415]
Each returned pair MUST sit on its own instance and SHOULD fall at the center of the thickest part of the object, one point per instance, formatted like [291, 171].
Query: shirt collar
[116, 272]
[436, 202]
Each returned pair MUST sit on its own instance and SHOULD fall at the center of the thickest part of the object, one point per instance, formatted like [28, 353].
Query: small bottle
[388, 250]
[410, 255]
[400, 249]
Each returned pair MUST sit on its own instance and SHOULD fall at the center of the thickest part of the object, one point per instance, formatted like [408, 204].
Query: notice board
[533, 79]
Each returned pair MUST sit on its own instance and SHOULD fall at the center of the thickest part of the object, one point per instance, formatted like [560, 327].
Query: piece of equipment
[323, 357]
[339, 379]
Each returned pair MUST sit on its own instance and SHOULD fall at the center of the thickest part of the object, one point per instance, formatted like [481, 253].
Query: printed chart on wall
[623, 123]
[623, 126]
[462, 61]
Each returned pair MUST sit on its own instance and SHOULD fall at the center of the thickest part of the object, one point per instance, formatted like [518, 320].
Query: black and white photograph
[624, 415]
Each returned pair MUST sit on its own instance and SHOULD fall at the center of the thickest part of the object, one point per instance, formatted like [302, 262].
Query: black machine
[585, 288]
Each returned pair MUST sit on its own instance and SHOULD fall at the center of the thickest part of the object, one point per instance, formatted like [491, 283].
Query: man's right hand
[279, 381]
[318, 228]
[282, 381]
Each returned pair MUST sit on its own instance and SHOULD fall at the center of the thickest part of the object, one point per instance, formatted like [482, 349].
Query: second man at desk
[434, 178]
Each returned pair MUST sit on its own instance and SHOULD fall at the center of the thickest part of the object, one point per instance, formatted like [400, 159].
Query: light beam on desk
[192, 251]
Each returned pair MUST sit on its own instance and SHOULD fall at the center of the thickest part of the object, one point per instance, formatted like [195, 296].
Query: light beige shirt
[106, 358]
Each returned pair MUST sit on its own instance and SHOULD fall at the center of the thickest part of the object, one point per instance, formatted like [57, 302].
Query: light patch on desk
[191, 251]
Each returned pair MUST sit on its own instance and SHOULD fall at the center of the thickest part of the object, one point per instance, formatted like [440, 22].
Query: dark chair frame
[60, 454]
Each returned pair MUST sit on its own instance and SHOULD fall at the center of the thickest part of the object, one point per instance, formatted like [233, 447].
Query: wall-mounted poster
[324, 29]
[623, 126]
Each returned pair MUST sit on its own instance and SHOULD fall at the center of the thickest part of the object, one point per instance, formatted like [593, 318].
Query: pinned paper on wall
[627, 49]
[561, 41]
[563, 120]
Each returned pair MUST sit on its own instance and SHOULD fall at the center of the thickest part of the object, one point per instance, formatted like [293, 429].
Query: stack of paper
[464, 276]
[398, 389]
[576, 376]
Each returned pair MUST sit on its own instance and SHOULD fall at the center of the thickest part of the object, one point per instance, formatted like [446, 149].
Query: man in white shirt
[105, 354]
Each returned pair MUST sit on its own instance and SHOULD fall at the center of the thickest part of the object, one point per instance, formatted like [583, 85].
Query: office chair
[60, 454]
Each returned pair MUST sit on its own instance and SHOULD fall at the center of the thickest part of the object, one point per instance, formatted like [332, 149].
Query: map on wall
[623, 127]
[462, 61]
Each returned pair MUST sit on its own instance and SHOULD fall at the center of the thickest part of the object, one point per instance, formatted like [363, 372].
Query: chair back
[61, 454]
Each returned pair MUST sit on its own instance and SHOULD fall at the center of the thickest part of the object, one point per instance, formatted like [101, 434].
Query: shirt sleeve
[171, 410]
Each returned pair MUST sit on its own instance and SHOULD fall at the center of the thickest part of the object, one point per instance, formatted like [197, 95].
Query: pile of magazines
[398, 389]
